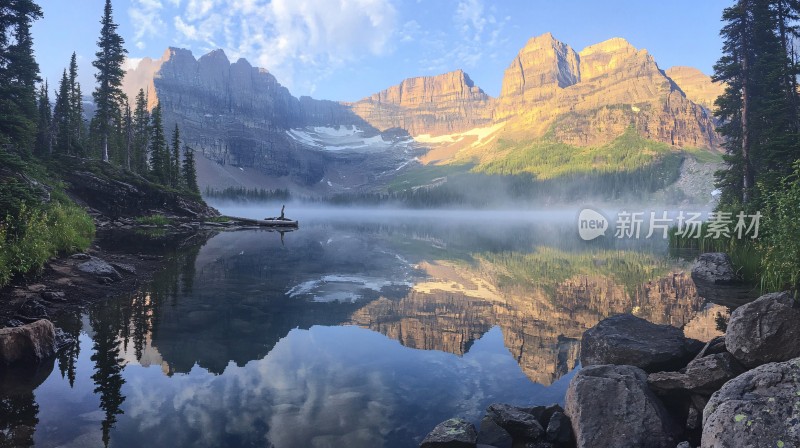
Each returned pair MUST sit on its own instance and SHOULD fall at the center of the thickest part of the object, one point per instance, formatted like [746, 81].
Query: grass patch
[425, 175]
[548, 159]
[38, 220]
[219, 219]
[704, 155]
[39, 234]
[153, 220]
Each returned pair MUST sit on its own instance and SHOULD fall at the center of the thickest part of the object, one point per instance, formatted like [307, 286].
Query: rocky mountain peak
[613, 45]
[612, 55]
[697, 86]
[425, 89]
[543, 61]
[439, 104]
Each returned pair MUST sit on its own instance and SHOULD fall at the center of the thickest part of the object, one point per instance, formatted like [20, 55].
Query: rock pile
[646, 385]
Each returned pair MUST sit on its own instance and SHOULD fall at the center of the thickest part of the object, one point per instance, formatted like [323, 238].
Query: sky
[348, 49]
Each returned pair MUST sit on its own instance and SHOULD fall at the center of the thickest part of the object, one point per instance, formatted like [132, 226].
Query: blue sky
[348, 49]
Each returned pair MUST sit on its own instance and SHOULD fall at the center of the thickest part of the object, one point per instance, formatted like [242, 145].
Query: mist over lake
[363, 328]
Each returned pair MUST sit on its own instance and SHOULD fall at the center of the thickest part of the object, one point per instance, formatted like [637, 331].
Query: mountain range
[254, 133]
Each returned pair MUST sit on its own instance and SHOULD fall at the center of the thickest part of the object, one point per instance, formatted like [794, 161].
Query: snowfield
[344, 138]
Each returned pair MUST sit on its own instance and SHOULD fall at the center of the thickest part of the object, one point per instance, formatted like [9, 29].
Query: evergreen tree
[141, 133]
[128, 130]
[62, 118]
[75, 107]
[44, 136]
[159, 154]
[108, 94]
[19, 74]
[759, 109]
[189, 170]
[175, 159]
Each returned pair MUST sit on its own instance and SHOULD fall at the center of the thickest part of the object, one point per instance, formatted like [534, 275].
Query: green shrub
[35, 235]
[153, 220]
[781, 245]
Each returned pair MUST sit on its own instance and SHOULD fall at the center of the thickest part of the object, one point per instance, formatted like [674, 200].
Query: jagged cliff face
[543, 62]
[697, 86]
[590, 98]
[585, 98]
[240, 115]
[435, 105]
[236, 114]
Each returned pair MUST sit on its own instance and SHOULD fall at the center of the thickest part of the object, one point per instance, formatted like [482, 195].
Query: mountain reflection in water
[342, 334]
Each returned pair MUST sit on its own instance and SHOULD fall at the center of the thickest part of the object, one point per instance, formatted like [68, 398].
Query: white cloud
[469, 14]
[131, 63]
[289, 36]
[146, 19]
[480, 31]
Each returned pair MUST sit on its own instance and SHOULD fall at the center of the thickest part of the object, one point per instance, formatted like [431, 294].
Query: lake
[359, 329]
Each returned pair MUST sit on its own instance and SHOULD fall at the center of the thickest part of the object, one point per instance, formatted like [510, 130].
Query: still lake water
[344, 334]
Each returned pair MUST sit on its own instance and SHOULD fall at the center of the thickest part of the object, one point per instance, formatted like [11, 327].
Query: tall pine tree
[159, 153]
[75, 107]
[175, 159]
[19, 73]
[44, 136]
[62, 117]
[141, 133]
[127, 125]
[189, 170]
[758, 109]
[108, 94]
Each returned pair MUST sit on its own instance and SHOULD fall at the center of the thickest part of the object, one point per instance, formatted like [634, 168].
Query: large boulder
[453, 433]
[765, 330]
[521, 424]
[33, 342]
[492, 434]
[559, 429]
[628, 340]
[612, 406]
[715, 268]
[758, 408]
[99, 268]
[703, 375]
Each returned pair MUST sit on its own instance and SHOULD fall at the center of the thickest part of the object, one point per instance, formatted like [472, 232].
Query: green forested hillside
[43, 141]
[549, 159]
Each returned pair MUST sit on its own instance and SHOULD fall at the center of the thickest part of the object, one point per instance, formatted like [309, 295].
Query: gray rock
[33, 309]
[128, 268]
[517, 421]
[544, 413]
[715, 345]
[80, 256]
[715, 268]
[99, 268]
[453, 433]
[703, 375]
[54, 296]
[758, 408]
[765, 330]
[33, 342]
[536, 444]
[694, 419]
[492, 434]
[684, 444]
[559, 430]
[628, 340]
[611, 406]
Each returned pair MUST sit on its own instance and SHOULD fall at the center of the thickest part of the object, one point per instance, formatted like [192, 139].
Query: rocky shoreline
[647, 385]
